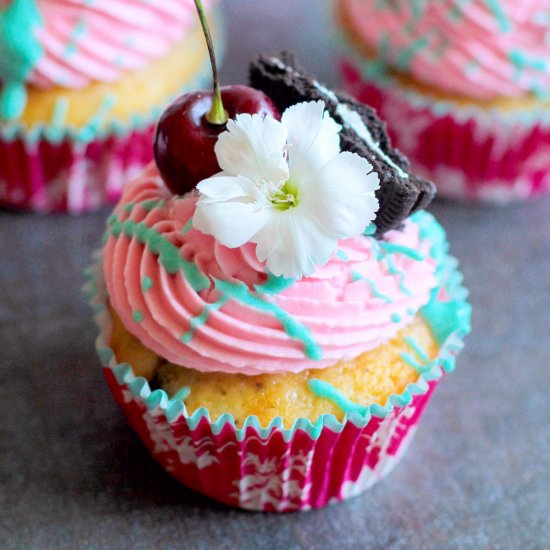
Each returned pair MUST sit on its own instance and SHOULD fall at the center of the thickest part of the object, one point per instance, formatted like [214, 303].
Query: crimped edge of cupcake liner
[491, 116]
[173, 409]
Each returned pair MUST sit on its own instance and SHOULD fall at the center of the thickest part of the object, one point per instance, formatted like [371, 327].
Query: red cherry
[184, 139]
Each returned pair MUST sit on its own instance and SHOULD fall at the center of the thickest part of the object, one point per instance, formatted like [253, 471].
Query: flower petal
[222, 187]
[292, 244]
[313, 137]
[342, 199]
[253, 146]
[232, 222]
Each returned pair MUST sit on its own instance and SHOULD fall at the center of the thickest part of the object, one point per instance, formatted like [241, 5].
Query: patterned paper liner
[275, 468]
[471, 153]
[52, 169]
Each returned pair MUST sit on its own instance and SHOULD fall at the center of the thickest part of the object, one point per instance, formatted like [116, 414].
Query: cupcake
[471, 80]
[81, 87]
[274, 330]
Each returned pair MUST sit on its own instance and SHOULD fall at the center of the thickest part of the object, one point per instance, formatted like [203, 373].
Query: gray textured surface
[73, 475]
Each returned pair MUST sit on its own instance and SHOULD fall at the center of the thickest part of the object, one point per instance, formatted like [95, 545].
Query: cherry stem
[217, 114]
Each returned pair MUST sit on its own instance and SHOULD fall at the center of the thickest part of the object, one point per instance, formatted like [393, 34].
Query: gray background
[73, 475]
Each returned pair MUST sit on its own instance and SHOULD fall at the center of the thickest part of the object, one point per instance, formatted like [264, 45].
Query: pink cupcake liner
[43, 175]
[274, 468]
[470, 153]
[270, 474]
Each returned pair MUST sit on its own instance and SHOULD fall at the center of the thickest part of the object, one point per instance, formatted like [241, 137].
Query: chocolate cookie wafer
[401, 193]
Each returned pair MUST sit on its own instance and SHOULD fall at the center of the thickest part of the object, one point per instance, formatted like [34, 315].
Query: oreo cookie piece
[401, 193]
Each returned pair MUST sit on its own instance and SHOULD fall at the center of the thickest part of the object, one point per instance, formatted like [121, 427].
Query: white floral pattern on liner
[287, 187]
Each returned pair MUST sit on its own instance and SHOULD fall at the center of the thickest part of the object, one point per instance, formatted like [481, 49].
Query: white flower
[286, 187]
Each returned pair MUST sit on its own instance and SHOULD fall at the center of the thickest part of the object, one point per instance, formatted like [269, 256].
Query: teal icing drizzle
[415, 346]
[60, 112]
[146, 283]
[182, 394]
[239, 291]
[20, 52]
[356, 276]
[401, 249]
[325, 390]
[521, 61]
[443, 317]
[171, 260]
[168, 254]
[151, 204]
[457, 10]
[412, 362]
[425, 363]
[274, 284]
[342, 255]
[187, 227]
[406, 55]
[201, 319]
[72, 45]
[137, 316]
[411, 311]
[418, 8]
[88, 132]
[369, 230]
[499, 15]
[395, 318]
[394, 271]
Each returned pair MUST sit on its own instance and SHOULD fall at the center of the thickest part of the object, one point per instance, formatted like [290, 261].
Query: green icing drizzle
[137, 316]
[500, 16]
[146, 283]
[201, 319]
[327, 391]
[395, 318]
[20, 52]
[401, 249]
[240, 292]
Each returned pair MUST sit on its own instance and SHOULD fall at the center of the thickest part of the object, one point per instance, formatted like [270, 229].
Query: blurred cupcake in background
[82, 83]
[464, 86]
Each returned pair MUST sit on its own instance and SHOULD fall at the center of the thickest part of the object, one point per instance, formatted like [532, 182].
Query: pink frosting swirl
[86, 41]
[199, 304]
[480, 48]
